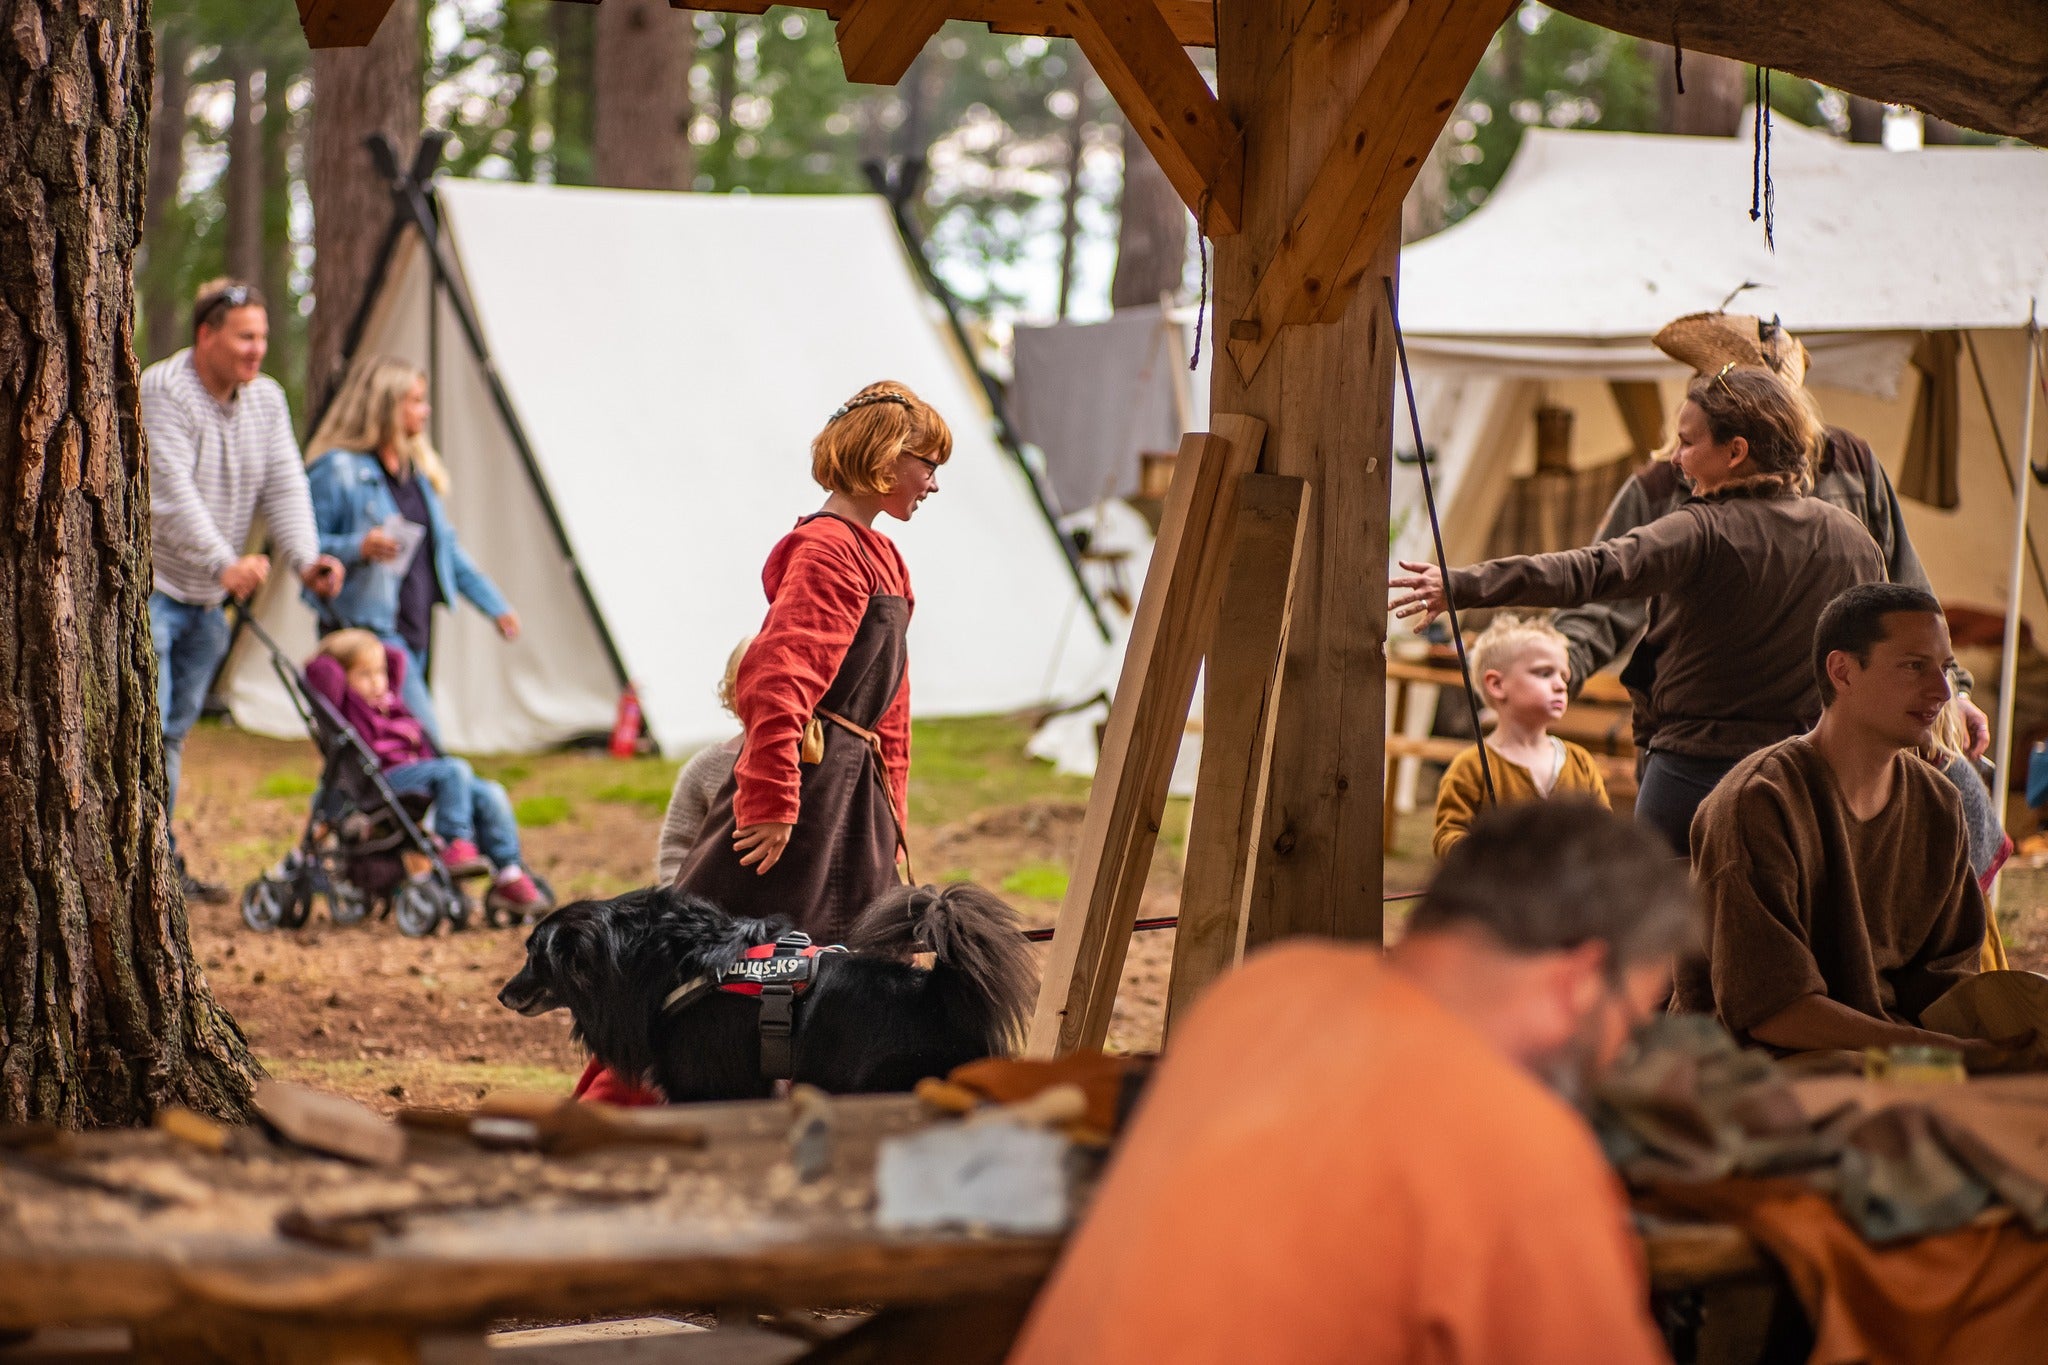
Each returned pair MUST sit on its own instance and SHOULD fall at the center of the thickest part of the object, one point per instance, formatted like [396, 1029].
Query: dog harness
[779, 973]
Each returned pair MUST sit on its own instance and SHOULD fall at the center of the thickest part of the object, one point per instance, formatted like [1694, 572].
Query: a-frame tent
[666, 360]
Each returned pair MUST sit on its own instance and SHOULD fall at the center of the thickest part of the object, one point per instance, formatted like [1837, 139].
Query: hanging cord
[1677, 57]
[1201, 304]
[1762, 193]
[1436, 532]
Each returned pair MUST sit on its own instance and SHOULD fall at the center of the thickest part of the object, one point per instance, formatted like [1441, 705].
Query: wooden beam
[341, 23]
[1147, 718]
[1977, 65]
[1426, 56]
[1240, 698]
[1192, 21]
[879, 39]
[1137, 55]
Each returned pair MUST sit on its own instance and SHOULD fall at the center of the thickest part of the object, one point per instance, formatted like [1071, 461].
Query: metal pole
[2009, 660]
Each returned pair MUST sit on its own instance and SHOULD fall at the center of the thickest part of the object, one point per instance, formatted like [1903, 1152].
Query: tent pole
[879, 178]
[2009, 659]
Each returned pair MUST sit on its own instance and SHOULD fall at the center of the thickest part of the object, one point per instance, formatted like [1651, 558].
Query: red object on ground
[599, 1084]
[626, 729]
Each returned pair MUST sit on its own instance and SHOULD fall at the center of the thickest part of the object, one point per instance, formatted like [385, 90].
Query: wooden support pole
[341, 23]
[879, 39]
[1291, 72]
[1239, 701]
[1146, 720]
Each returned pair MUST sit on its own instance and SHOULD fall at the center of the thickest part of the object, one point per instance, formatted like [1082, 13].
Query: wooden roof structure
[1271, 560]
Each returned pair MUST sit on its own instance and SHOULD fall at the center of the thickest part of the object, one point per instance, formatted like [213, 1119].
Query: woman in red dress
[810, 823]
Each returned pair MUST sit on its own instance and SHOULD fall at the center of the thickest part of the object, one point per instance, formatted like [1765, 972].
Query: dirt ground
[390, 1020]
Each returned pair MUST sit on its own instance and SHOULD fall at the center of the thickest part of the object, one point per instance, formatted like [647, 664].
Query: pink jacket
[390, 730]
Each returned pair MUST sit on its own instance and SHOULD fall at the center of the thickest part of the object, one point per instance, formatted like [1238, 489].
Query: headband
[866, 400]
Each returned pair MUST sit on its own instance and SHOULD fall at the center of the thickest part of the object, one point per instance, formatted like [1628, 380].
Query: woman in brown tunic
[810, 823]
[1737, 578]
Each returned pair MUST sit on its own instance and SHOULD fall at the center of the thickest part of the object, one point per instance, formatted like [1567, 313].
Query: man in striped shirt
[220, 450]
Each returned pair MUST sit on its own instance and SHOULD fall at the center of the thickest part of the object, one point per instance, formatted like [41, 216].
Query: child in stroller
[360, 676]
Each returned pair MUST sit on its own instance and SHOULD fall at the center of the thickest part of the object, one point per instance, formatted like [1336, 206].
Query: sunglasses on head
[220, 301]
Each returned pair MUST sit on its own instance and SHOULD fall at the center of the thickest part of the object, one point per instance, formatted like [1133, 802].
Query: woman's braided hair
[856, 452]
[1770, 415]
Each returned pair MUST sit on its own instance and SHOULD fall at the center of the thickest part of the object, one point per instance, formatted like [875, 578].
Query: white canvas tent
[669, 358]
[1592, 241]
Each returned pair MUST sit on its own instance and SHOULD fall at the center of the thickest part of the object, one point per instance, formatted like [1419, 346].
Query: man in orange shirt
[1353, 1158]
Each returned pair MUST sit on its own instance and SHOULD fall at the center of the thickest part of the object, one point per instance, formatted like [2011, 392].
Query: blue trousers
[190, 643]
[465, 806]
[1673, 785]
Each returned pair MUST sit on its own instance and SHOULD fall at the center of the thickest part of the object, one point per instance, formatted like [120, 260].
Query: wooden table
[191, 1257]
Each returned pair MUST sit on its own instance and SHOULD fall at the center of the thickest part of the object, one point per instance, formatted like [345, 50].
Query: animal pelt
[872, 1020]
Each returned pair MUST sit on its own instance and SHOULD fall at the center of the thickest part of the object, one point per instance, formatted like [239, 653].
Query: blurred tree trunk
[1070, 221]
[356, 91]
[1716, 91]
[575, 39]
[104, 1015]
[1151, 233]
[163, 309]
[244, 175]
[642, 88]
[277, 141]
[1866, 119]
[1937, 132]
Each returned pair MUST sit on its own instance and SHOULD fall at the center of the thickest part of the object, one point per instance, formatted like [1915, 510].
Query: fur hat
[1708, 341]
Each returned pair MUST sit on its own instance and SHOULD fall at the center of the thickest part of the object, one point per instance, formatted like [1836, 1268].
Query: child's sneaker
[464, 859]
[517, 892]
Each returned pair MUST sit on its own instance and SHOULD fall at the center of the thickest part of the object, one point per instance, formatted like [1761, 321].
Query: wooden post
[1146, 721]
[1338, 104]
[1240, 698]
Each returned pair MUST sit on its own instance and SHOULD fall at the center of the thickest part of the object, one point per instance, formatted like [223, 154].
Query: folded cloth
[1977, 1294]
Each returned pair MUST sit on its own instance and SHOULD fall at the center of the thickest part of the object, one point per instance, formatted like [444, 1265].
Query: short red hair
[856, 452]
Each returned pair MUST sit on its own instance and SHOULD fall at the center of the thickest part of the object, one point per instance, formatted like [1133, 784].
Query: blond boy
[1523, 670]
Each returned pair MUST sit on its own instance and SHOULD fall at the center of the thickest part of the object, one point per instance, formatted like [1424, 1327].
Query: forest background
[1032, 199]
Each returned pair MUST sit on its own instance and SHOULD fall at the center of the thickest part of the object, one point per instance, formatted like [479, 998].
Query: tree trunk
[1716, 89]
[1937, 132]
[642, 86]
[357, 91]
[572, 28]
[104, 1015]
[276, 142]
[1866, 120]
[1151, 233]
[163, 310]
[245, 175]
[1070, 221]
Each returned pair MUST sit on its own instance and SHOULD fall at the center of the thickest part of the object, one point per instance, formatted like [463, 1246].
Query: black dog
[872, 1020]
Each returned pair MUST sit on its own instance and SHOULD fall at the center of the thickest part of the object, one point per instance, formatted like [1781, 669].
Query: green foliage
[973, 763]
[538, 812]
[635, 794]
[1038, 882]
[282, 785]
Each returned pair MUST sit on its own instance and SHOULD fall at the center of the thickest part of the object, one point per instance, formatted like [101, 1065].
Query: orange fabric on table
[818, 578]
[1975, 1295]
[1331, 1167]
[601, 1085]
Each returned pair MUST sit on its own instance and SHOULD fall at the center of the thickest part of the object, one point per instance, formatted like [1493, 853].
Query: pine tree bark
[1070, 217]
[1716, 89]
[642, 85]
[1152, 231]
[104, 1015]
[356, 92]
[277, 217]
[162, 310]
[244, 175]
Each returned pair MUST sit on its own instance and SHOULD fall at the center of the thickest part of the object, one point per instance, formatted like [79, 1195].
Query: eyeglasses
[219, 301]
[931, 466]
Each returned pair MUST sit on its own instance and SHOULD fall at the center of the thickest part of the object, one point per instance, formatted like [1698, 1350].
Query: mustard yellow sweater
[1462, 793]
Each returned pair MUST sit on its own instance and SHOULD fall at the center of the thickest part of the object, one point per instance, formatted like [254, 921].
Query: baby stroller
[364, 850]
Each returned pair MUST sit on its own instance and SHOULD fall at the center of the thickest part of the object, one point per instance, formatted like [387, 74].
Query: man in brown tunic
[1833, 868]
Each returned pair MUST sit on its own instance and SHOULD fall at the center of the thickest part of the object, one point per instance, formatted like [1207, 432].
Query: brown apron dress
[842, 853]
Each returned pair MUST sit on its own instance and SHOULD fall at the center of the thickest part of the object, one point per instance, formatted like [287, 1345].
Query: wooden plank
[1137, 55]
[1337, 227]
[1146, 721]
[1242, 693]
[1326, 395]
[341, 23]
[1193, 21]
[879, 39]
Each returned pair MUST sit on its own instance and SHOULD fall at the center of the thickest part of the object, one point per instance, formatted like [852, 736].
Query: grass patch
[967, 764]
[538, 812]
[634, 794]
[358, 1076]
[1038, 882]
[280, 786]
[501, 771]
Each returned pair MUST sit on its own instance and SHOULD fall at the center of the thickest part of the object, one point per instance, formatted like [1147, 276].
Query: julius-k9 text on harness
[780, 973]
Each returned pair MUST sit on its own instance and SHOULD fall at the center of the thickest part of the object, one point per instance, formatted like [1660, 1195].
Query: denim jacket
[350, 498]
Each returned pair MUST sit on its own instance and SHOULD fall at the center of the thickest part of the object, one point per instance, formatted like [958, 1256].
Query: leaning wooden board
[482, 1235]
